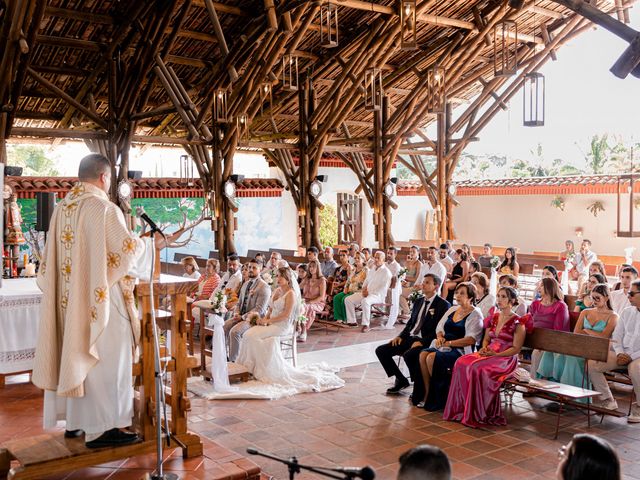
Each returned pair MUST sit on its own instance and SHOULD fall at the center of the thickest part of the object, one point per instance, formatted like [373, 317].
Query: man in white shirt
[619, 298]
[395, 288]
[583, 259]
[444, 258]
[374, 290]
[625, 341]
[431, 265]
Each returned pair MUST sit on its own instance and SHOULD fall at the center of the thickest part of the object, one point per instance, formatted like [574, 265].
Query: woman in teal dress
[598, 321]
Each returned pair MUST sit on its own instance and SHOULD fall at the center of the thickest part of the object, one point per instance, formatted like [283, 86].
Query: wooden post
[441, 174]
[378, 180]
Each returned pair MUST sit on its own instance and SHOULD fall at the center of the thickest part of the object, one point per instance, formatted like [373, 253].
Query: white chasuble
[89, 324]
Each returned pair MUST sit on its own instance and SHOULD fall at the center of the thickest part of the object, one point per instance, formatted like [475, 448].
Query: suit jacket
[439, 306]
[258, 296]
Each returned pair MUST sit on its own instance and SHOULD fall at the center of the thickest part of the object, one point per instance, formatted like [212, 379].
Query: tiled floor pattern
[357, 425]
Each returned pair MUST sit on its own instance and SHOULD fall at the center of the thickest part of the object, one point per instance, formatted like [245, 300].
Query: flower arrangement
[402, 273]
[269, 276]
[570, 257]
[495, 262]
[595, 208]
[558, 202]
[219, 303]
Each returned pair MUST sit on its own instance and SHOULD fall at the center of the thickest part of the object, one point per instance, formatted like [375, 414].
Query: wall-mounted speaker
[45, 203]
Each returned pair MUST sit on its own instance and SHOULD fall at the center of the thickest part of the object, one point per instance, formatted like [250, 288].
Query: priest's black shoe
[401, 384]
[113, 438]
[73, 433]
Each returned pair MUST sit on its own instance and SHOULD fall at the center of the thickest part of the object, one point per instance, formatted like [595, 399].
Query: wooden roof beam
[79, 15]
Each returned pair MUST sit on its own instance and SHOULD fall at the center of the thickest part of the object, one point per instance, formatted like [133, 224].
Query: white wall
[531, 223]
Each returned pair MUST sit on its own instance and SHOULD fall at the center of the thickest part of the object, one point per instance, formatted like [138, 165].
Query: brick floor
[355, 426]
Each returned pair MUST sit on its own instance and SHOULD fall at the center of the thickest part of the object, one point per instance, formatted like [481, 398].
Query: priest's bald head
[95, 169]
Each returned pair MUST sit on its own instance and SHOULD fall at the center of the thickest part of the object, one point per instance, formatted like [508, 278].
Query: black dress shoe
[73, 433]
[401, 384]
[113, 438]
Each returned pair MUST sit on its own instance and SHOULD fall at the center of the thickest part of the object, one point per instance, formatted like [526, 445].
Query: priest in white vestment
[89, 325]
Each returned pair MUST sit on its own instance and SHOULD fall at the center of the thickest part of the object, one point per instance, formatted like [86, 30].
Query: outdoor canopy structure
[267, 76]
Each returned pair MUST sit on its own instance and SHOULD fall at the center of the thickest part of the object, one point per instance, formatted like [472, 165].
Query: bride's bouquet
[252, 318]
[495, 262]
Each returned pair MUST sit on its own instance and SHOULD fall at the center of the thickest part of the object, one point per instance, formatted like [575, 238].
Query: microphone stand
[161, 402]
[295, 467]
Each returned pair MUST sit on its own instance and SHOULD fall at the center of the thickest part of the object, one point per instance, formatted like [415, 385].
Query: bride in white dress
[260, 351]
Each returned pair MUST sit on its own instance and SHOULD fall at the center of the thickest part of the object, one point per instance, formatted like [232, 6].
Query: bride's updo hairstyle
[285, 273]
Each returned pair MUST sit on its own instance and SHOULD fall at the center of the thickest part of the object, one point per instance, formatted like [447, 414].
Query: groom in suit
[419, 332]
[254, 297]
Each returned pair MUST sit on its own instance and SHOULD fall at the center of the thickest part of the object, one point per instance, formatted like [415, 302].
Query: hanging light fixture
[408, 31]
[329, 25]
[435, 90]
[290, 72]
[266, 97]
[373, 89]
[220, 105]
[533, 100]
[186, 171]
[505, 48]
[243, 127]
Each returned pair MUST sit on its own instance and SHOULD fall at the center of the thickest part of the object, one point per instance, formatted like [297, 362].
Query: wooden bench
[553, 341]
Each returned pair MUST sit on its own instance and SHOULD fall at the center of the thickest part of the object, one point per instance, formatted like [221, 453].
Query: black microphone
[365, 473]
[252, 451]
[140, 214]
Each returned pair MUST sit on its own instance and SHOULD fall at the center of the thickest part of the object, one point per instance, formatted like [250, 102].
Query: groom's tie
[425, 312]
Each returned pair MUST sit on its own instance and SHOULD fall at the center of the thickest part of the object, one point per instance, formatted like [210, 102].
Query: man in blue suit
[419, 332]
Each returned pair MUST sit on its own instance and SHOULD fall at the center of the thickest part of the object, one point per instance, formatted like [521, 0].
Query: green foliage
[28, 211]
[328, 225]
[170, 210]
[33, 159]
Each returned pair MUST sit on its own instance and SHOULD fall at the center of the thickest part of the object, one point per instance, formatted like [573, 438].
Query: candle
[25, 260]
[30, 270]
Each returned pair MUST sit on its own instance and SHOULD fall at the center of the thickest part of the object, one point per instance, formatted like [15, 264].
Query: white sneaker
[634, 416]
[302, 337]
[608, 404]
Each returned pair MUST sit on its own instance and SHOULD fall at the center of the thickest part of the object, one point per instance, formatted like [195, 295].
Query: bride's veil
[297, 308]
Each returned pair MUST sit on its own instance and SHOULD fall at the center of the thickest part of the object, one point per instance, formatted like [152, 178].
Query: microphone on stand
[141, 214]
[365, 473]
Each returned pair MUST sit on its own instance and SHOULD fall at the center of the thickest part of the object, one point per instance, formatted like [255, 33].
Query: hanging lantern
[220, 105]
[290, 72]
[329, 25]
[408, 32]
[243, 127]
[435, 90]
[505, 48]
[373, 89]
[186, 170]
[533, 100]
[266, 97]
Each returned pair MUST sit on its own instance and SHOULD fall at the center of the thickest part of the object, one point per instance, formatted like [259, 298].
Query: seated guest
[485, 300]
[328, 264]
[272, 266]
[474, 396]
[474, 267]
[431, 265]
[191, 269]
[582, 260]
[459, 274]
[598, 321]
[618, 285]
[588, 456]
[597, 267]
[569, 251]
[509, 265]
[413, 265]
[260, 259]
[353, 285]
[467, 249]
[424, 462]
[511, 281]
[368, 259]
[487, 255]
[342, 272]
[459, 329]
[444, 258]
[620, 298]
[549, 312]
[450, 249]
[230, 284]
[419, 332]
[373, 291]
[314, 292]
[584, 297]
[626, 352]
[548, 271]
[208, 282]
[353, 248]
[302, 272]
[254, 297]
[312, 254]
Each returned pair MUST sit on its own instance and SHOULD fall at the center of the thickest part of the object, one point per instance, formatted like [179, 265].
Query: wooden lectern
[52, 453]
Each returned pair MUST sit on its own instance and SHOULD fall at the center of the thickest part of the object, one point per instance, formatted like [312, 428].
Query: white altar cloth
[19, 320]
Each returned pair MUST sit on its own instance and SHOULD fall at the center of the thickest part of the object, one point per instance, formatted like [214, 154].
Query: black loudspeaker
[45, 203]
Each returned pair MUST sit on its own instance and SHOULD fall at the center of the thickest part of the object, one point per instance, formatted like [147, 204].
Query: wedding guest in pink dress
[474, 396]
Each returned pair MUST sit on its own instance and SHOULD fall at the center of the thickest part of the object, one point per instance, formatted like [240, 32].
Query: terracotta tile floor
[357, 425]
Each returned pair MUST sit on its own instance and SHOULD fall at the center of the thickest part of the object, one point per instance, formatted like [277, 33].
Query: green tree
[598, 154]
[33, 159]
[328, 225]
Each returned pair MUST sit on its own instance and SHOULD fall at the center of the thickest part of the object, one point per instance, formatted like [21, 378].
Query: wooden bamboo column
[441, 174]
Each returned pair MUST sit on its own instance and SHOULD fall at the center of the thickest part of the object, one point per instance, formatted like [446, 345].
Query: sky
[582, 99]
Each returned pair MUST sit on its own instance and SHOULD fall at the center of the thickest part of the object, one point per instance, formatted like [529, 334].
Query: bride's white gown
[275, 377]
